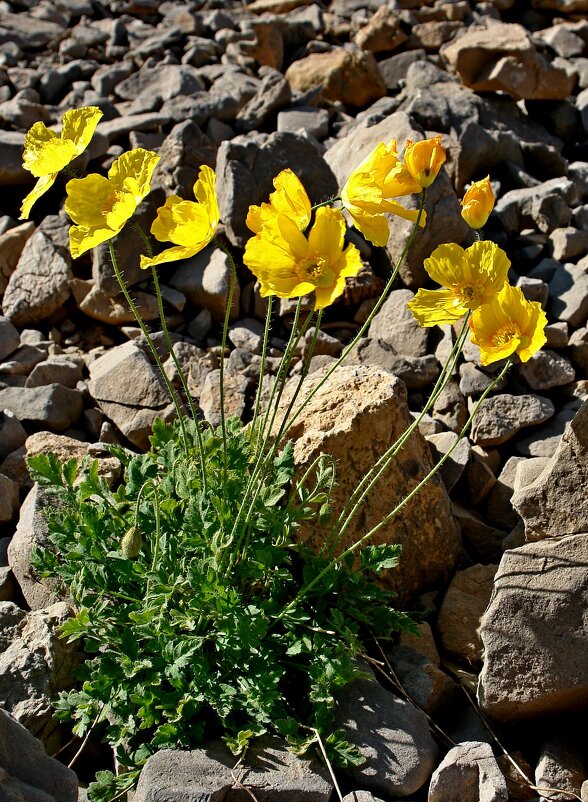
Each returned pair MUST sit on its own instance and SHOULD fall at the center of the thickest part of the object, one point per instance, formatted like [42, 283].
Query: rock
[423, 643]
[32, 774]
[269, 768]
[369, 406]
[109, 467]
[11, 169]
[113, 309]
[454, 466]
[500, 511]
[235, 389]
[383, 32]
[247, 334]
[424, 682]
[468, 773]
[184, 150]
[568, 243]
[247, 166]
[450, 407]
[415, 371]
[390, 733]
[39, 284]
[500, 417]
[9, 502]
[396, 325]
[479, 477]
[12, 433]
[11, 244]
[205, 281]
[431, 35]
[273, 95]
[561, 765]
[501, 57]
[32, 532]
[564, 41]
[52, 406]
[59, 369]
[545, 442]
[461, 611]
[536, 646]
[35, 666]
[22, 361]
[474, 380]
[555, 504]
[129, 391]
[28, 31]
[546, 369]
[485, 542]
[9, 337]
[568, 294]
[157, 84]
[347, 74]
[314, 121]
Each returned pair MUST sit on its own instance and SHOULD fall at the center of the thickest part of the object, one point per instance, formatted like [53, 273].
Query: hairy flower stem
[166, 336]
[258, 394]
[370, 479]
[232, 285]
[170, 388]
[434, 470]
[373, 313]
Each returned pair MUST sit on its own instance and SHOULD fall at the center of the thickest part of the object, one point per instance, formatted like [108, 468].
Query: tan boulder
[382, 32]
[347, 74]
[502, 57]
[355, 416]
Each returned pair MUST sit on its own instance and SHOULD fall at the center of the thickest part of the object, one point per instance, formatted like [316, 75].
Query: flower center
[116, 196]
[315, 269]
[506, 334]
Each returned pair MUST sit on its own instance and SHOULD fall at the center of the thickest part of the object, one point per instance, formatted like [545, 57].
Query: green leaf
[377, 558]
[45, 469]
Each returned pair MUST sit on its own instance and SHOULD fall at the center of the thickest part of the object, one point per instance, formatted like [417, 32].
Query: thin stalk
[381, 465]
[232, 285]
[172, 353]
[259, 392]
[373, 313]
[354, 546]
[150, 343]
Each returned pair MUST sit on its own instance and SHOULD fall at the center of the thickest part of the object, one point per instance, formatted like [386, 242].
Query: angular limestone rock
[468, 773]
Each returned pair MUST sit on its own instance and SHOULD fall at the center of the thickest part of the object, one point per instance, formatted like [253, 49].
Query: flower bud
[131, 543]
[423, 160]
[478, 203]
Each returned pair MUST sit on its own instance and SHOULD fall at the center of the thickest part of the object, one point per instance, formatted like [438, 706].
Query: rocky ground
[501, 567]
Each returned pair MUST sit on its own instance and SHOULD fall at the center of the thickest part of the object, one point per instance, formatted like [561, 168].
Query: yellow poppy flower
[290, 198]
[101, 206]
[508, 324]
[46, 153]
[472, 276]
[289, 265]
[424, 159]
[369, 191]
[477, 203]
[189, 226]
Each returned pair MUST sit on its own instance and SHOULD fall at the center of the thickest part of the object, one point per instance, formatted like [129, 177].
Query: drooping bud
[131, 543]
[477, 203]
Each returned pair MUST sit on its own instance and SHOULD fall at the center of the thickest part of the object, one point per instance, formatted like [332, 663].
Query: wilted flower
[189, 226]
[290, 198]
[101, 206]
[289, 265]
[424, 159]
[477, 203]
[508, 324]
[472, 276]
[369, 191]
[46, 153]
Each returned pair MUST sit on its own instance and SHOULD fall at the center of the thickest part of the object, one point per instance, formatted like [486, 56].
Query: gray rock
[557, 335]
[59, 369]
[544, 442]
[468, 773]
[556, 504]
[474, 380]
[32, 532]
[22, 361]
[500, 511]
[568, 294]
[561, 765]
[11, 169]
[565, 42]
[394, 69]
[535, 641]
[527, 471]
[9, 337]
[415, 371]
[165, 81]
[205, 280]
[36, 665]
[269, 769]
[39, 285]
[314, 121]
[546, 369]
[461, 611]
[479, 477]
[579, 349]
[397, 326]
[568, 243]
[11, 244]
[184, 150]
[273, 95]
[455, 464]
[547, 206]
[28, 31]
[424, 682]
[9, 502]
[235, 390]
[8, 587]
[124, 125]
[500, 417]
[450, 407]
[361, 796]
[391, 734]
[32, 775]
[129, 391]
[52, 406]
[247, 334]
[484, 541]
[247, 165]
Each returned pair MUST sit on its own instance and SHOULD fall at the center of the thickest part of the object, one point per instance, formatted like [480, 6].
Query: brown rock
[347, 74]
[113, 309]
[382, 32]
[276, 6]
[109, 468]
[366, 407]
[432, 35]
[11, 244]
[501, 57]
